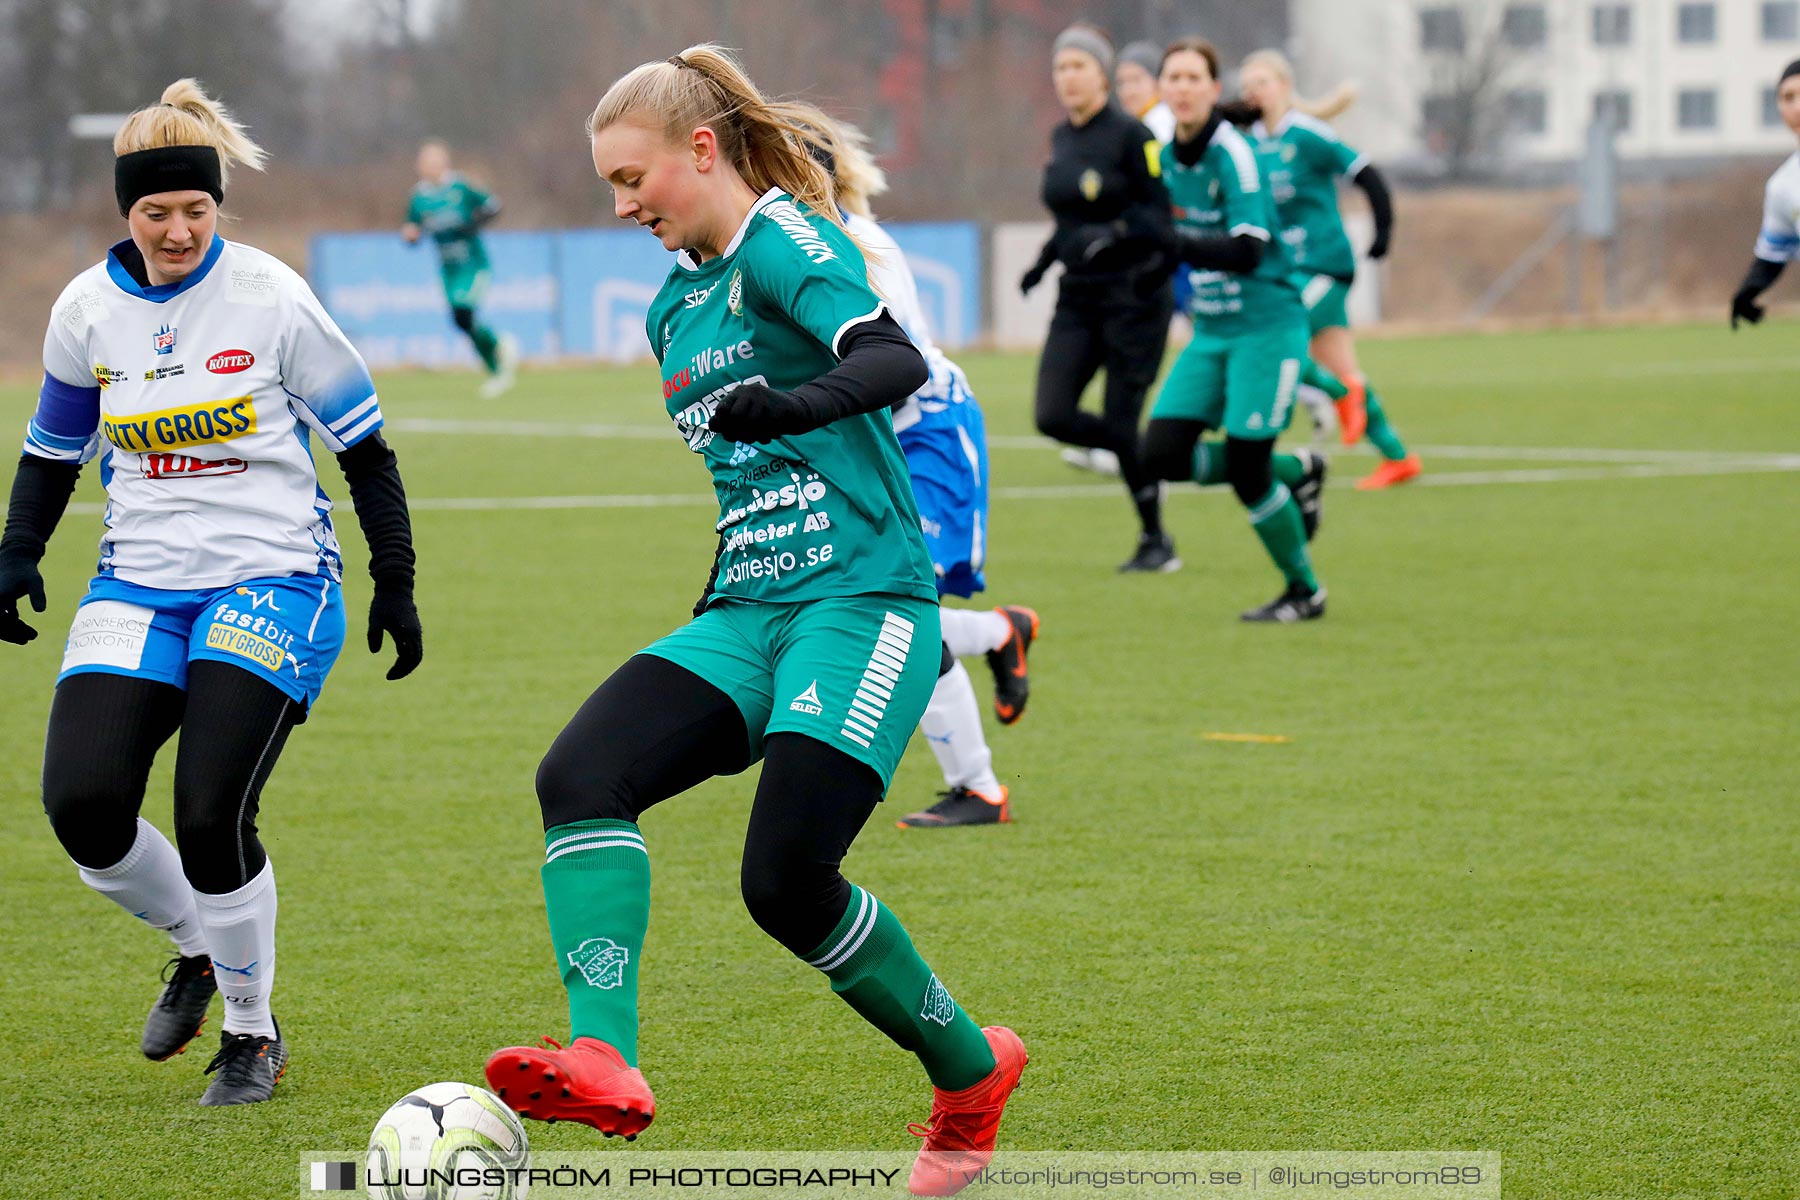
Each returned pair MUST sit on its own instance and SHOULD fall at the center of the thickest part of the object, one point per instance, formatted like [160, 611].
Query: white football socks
[952, 724]
[240, 933]
[148, 884]
[968, 632]
[1318, 404]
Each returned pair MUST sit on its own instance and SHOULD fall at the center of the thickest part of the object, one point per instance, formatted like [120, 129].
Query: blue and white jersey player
[943, 436]
[1779, 237]
[199, 373]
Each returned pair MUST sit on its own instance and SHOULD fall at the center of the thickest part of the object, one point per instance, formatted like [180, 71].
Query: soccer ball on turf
[448, 1141]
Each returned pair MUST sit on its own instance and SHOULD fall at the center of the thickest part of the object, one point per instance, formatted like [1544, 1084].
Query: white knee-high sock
[148, 884]
[968, 632]
[240, 935]
[952, 724]
[1318, 404]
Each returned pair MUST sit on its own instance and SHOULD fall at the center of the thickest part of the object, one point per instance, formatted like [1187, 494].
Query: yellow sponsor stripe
[190, 425]
[246, 644]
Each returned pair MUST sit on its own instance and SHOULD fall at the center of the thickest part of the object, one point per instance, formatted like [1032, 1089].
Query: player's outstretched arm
[1757, 279]
[880, 367]
[373, 474]
[1381, 207]
[40, 493]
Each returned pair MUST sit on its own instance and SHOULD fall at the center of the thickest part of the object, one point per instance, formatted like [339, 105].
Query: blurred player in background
[943, 436]
[1112, 306]
[1780, 234]
[451, 211]
[1303, 160]
[1134, 83]
[818, 645]
[218, 608]
[1239, 372]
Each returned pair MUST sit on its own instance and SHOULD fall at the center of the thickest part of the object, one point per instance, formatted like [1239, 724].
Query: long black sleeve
[373, 474]
[40, 494]
[1218, 251]
[878, 367]
[1757, 280]
[1381, 206]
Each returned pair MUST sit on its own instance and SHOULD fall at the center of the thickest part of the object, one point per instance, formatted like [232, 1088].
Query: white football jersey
[198, 397]
[1780, 235]
[894, 282]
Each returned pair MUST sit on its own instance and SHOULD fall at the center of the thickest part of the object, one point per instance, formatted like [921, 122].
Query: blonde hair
[187, 116]
[703, 85]
[856, 178]
[1332, 104]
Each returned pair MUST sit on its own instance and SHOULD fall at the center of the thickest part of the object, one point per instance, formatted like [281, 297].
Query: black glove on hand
[1097, 239]
[18, 577]
[1745, 308]
[755, 412]
[1030, 280]
[392, 611]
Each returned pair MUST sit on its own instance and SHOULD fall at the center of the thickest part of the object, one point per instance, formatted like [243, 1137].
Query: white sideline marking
[1742, 465]
[562, 429]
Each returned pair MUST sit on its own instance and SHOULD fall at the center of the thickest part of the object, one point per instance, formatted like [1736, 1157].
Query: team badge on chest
[164, 340]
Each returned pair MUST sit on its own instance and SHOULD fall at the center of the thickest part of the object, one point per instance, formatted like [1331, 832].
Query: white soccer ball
[448, 1141]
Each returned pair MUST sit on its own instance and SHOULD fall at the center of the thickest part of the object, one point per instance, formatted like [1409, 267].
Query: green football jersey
[1224, 193]
[1303, 160]
[448, 213]
[824, 513]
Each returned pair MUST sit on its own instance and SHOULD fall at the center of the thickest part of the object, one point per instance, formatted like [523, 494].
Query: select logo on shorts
[230, 362]
[181, 466]
[601, 962]
[808, 701]
[177, 428]
[164, 340]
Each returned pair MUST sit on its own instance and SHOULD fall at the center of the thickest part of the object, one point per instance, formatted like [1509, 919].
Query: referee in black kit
[1113, 228]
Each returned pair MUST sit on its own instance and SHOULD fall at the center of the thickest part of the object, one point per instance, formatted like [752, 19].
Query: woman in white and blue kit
[197, 371]
[944, 438]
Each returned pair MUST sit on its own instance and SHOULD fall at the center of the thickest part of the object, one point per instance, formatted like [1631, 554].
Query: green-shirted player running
[1239, 372]
[451, 211]
[1303, 160]
[816, 646]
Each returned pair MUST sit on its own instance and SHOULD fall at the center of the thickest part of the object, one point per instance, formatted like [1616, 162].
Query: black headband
[1793, 69]
[167, 169]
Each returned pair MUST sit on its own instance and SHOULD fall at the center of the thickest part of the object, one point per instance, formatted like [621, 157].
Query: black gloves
[755, 412]
[393, 611]
[1745, 308]
[18, 577]
[1031, 279]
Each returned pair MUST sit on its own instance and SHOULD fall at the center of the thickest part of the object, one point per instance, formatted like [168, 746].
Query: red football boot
[588, 1083]
[959, 1138]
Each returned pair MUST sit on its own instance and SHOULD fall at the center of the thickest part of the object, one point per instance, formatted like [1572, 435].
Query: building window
[1614, 106]
[1527, 111]
[1612, 24]
[1441, 29]
[1697, 108]
[1696, 24]
[1780, 20]
[1524, 26]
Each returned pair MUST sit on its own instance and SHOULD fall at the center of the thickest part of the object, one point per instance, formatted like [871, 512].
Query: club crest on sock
[601, 962]
[938, 1005]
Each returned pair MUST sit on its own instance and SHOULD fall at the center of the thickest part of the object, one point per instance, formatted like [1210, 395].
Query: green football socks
[597, 892]
[871, 963]
[1276, 519]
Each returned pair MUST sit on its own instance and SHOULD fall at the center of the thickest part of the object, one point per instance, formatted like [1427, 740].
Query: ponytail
[187, 116]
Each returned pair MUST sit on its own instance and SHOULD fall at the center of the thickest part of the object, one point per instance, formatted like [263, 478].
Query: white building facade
[1682, 79]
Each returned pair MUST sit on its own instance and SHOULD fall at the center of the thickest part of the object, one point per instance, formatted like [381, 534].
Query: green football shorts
[854, 672]
[1243, 384]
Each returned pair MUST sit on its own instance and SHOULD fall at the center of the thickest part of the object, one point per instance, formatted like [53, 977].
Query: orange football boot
[1390, 472]
[1012, 681]
[1353, 411]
